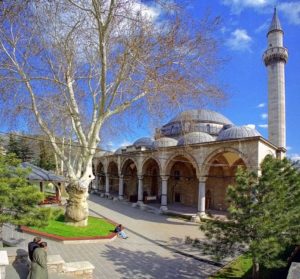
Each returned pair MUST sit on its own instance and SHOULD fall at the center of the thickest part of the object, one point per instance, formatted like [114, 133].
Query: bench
[150, 198]
[55, 263]
[82, 269]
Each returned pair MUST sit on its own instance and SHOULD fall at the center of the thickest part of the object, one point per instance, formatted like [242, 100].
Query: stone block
[55, 263]
[3, 263]
[83, 269]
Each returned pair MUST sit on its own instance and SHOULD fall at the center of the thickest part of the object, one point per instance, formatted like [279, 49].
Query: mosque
[194, 157]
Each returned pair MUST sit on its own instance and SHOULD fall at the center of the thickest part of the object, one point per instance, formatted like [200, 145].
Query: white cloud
[264, 126]
[238, 5]
[291, 11]
[262, 28]
[295, 157]
[261, 105]
[252, 126]
[125, 143]
[239, 40]
[264, 115]
[288, 148]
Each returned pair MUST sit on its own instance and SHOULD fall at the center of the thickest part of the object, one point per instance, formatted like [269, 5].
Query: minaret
[275, 58]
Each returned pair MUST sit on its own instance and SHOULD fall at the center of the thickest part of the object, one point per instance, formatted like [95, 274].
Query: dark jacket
[31, 247]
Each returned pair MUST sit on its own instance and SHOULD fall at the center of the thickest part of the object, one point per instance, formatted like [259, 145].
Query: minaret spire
[275, 58]
[275, 23]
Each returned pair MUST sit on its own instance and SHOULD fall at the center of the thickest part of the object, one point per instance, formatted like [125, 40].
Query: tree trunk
[255, 269]
[77, 210]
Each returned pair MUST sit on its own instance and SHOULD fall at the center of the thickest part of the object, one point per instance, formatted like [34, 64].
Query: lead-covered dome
[164, 142]
[201, 120]
[195, 137]
[202, 115]
[146, 142]
[238, 132]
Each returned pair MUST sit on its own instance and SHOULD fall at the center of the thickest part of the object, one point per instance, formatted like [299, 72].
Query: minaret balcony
[275, 54]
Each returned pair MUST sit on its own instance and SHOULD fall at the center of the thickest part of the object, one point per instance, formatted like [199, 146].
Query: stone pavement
[155, 247]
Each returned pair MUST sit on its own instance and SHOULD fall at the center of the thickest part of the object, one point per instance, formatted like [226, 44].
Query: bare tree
[76, 63]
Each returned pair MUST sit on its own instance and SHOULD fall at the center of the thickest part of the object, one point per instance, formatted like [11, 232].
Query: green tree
[263, 216]
[46, 158]
[18, 199]
[20, 146]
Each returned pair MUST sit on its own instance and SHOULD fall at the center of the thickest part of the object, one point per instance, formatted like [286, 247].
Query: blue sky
[245, 24]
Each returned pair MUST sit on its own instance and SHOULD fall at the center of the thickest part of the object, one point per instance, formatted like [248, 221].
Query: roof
[147, 142]
[202, 115]
[195, 137]
[237, 132]
[164, 142]
[275, 24]
[40, 174]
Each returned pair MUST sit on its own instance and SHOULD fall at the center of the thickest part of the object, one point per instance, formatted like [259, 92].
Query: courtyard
[155, 247]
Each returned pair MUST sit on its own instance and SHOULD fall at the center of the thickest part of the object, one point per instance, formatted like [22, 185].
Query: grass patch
[96, 227]
[239, 268]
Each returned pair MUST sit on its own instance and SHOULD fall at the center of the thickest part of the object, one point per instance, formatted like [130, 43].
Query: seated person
[118, 230]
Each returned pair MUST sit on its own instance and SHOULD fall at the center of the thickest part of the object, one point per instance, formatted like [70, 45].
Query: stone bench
[82, 269]
[55, 263]
[16, 254]
[3, 263]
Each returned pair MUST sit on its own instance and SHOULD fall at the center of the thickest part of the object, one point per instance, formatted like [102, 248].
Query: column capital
[202, 179]
[140, 177]
[164, 177]
[121, 176]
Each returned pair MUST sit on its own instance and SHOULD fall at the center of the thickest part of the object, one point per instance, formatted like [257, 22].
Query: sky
[243, 34]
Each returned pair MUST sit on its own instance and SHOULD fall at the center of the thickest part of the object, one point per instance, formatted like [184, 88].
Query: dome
[205, 121]
[195, 137]
[236, 132]
[164, 142]
[147, 142]
[202, 115]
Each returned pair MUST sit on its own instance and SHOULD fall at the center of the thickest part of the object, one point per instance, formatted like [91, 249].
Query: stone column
[164, 191]
[107, 184]
[140, 189]
[201, 197]
[121, 187]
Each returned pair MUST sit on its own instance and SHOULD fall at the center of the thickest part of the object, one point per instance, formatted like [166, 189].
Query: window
[177, 175]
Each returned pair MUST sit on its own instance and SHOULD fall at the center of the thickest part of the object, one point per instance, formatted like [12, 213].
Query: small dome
[119, 150]
[147, 142]
[164, 142]
[195, 137]
[236, 132]
[102, 153]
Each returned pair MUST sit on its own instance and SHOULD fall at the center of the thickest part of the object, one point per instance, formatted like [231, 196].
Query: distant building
[194, 157]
